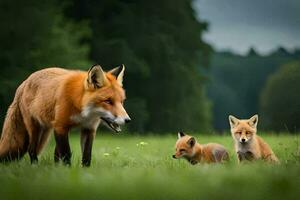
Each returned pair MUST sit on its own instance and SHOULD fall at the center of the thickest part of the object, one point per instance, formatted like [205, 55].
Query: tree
[279, 102]
[281, 51]
[236, 82]
[160, 43]
[35, 34]
[252, 52]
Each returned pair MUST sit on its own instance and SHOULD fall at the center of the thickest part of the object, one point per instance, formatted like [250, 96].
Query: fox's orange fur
[248, 145]
[61, 99]
[187, 147]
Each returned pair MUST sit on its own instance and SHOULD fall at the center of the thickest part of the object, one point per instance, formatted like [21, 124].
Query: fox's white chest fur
[249, 147]
[89, 118]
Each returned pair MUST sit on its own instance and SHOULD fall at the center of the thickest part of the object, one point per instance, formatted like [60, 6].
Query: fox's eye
[182, 150]
[239, 133]
[108, 101]
[248, 133]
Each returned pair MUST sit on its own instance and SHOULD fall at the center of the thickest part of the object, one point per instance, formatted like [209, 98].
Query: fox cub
[248, 145]
[188, 148]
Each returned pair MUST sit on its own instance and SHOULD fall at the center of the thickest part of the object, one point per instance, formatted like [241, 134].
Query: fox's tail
[14, 138]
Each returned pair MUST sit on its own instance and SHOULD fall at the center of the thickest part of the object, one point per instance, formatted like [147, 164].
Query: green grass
[121, 169]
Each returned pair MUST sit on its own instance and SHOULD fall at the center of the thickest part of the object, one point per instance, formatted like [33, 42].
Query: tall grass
[141, 167]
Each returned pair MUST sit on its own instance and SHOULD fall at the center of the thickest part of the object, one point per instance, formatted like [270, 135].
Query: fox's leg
[32, 149]
[56, 155]
[37, 140]
[62, 149]
[34, 131]
[220, 154]
[33, 143]
[271, 158]
[249, 156]
[45, 133]
[239, 156]
[86, 140]
[275, 159]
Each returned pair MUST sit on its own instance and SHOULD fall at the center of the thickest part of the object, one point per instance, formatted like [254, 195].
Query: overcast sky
[239, 24]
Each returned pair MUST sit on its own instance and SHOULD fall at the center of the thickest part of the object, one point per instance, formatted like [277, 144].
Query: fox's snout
[177, 155]
[121, 119]
[127, 120]
[243, 140]
[112, 120]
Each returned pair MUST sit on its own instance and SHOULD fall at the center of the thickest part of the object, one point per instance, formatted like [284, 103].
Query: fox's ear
[233, 121]
[180, 134]
[118, 72]
[191, 141]
[253, 121]
[96, 77]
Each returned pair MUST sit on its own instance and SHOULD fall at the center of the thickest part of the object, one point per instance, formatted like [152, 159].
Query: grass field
[141, 167]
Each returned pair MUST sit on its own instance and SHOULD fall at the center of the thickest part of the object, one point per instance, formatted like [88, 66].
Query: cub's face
[184, 147]
[243, 134]
[243, 130]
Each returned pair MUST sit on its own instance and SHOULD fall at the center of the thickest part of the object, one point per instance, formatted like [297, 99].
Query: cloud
[239, 24]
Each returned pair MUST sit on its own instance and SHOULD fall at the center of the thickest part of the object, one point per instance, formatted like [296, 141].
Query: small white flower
[143, 143]
[106, 154]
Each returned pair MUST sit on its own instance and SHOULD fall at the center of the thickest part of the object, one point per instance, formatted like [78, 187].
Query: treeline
[35, 34]
[158, 41]
[245, 85]
[280, 99]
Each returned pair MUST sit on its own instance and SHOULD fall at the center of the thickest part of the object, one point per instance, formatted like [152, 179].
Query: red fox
[187, 147]
[248, 145]
[61, 99]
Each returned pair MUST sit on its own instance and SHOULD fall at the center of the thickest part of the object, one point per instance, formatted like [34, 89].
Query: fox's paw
[193, 162]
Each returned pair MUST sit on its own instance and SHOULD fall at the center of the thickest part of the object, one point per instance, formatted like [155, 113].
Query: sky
[238, 25]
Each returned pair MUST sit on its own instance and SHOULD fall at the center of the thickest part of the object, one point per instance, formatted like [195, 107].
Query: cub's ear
[253, 121]
[180, 134]
[233, 121]
[191, 142]
[96, 77]
[118, 72]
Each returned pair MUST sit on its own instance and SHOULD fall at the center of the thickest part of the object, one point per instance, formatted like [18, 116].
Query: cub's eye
[108, 101]
[248, 133]
[182, 150]
[239, 133]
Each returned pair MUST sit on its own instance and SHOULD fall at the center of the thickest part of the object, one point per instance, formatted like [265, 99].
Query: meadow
[131, 167]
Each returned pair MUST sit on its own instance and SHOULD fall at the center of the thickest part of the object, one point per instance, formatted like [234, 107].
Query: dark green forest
[174, 79]
[237, 83]
[158, 41]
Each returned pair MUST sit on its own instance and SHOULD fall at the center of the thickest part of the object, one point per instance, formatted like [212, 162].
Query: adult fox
[59, 99]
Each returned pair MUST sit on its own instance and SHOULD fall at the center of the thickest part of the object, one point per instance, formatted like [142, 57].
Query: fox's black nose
[173, 156]
[243, 140]
[127, 120]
